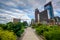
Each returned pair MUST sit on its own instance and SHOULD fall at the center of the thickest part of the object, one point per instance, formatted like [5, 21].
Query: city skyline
[13, 8]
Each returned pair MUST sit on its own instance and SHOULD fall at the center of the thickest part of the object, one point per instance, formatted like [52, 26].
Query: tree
[10, 26]
[3, 26]
[25, 23]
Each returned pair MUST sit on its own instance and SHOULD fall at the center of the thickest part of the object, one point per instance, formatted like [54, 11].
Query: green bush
[36, 25]
[6, 35]
[52, 35]
[18, 28]
[41, 29]
[19, 33]
[10, 26]
[14, 27]
[25, 23]
[3, 26]
[49, 32]
[33, 25]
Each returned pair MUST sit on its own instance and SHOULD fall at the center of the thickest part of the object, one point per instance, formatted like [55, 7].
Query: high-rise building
[43, 16]
[49, 9]
[36, 15]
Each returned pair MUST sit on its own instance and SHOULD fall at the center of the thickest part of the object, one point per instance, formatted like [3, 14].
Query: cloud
[25, 8]
[56, 13]
[56, 4]
[11, 4]
[13, 14]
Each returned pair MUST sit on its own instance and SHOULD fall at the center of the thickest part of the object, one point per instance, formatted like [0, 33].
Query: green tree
[3, 26]
[25, 23]
[10, 26]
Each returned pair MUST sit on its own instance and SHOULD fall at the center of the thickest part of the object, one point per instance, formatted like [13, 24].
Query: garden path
[30, 35]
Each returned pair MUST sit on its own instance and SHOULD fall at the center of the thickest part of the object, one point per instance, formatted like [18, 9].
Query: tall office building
[43, 16]
[49, 9]
[36, 15]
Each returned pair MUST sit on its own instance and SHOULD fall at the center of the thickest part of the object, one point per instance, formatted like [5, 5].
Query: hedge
[6, 35]
[49, 32]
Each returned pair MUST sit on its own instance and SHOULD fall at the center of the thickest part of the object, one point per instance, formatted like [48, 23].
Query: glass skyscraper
[49, 9]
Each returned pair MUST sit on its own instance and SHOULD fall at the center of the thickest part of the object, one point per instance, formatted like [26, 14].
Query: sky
[24, 9]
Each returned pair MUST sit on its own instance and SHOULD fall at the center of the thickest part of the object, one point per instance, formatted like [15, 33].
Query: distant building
[43, 16]
[57, 20]
[32, 21]
[36, 15]
[49, 9]
[15, 20]
[51, 21]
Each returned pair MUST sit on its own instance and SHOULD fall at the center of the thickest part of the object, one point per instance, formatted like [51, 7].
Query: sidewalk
[29, 35]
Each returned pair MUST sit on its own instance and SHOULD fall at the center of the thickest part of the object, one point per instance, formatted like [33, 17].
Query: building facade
[46, 16]
[49, 9]
[32, 21]
[43, 16]
[36, 15]
[15, 20]
[57, 20]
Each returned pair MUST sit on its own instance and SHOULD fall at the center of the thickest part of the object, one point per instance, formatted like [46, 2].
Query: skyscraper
[49, 9]
[43, 16]
[36, 15]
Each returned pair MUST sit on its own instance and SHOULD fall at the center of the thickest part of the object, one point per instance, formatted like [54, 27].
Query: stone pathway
[29, 34]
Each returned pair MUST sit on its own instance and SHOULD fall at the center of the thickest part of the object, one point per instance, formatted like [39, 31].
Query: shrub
[14, 27]
[3, 26]
[10, 26]
[18, 33]
[33, 25]
[49, 32]
[52, 35]
[6, 35]
[25, 23]
[41, 29]
[18, 28]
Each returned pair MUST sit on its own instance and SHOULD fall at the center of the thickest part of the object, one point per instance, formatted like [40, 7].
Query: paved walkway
[30, 35]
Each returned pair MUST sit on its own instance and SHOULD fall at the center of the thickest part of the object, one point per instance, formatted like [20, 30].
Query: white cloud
[28, 7]
[10, 15]
[55, 13]
[11, 4]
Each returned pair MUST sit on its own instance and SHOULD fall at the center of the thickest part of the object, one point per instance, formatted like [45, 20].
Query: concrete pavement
[29, 34]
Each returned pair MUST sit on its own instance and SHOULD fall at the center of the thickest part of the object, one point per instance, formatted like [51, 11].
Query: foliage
[10, 26]
[3, 26]
[36, 25]
[19, 33]
[18, 28]
[6, 35]
[14, 27]
[25, 23]
[52, 35]
[41, 29]
[49, 32]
